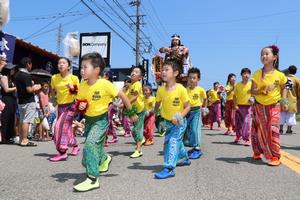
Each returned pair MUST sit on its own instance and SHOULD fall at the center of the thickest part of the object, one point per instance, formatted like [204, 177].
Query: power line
[117, 14]
[246, 18]
[55, 28]
[155, 29]
[44, 27]
[155, 13]
[110, 27]
[45, 17]
[112, 19]
[133, 22]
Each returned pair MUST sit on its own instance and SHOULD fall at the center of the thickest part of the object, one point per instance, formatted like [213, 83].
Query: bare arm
[235, 102]
[4, 84]
[254, 90]
[186, 110]
[136, 94]
[204, 103]
[156, 107]
[125, 100]
[127, 104]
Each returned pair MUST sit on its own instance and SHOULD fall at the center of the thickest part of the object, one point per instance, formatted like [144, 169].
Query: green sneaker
[136, 154]
[87, 185]
[162, 133]
[105, 165]
[143, 141]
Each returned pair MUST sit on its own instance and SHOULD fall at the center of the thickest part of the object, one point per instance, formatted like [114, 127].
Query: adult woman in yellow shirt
[268, 87]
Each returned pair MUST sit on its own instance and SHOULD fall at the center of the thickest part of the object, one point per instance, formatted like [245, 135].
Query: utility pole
[59, 39]
[137, 24]
[137, 35]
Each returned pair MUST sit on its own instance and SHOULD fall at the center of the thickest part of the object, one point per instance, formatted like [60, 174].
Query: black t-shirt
[24, 80]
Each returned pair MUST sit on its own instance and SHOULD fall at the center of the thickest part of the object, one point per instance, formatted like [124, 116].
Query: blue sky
[223, 36]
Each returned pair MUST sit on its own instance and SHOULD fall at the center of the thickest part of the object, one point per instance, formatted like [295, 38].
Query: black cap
[9, 66]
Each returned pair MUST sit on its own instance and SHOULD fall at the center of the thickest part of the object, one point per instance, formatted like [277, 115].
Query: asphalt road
[226, 171]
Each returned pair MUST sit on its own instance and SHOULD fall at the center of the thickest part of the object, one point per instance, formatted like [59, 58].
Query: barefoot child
[93, 99]
[175, 105]
[197, 95]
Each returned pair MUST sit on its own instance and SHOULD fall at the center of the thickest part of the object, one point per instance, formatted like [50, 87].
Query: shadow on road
[119, 153]
[231, 143]
[139, 166]
[79, 177]
[132, 143]
[160, 153]
[44, 155]
[240, 160]
[214, 134]
[290, 148]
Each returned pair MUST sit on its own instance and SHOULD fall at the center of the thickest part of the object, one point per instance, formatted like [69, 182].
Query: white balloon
[4, 13]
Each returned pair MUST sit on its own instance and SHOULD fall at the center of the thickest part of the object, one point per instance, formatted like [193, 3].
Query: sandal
[29, 144]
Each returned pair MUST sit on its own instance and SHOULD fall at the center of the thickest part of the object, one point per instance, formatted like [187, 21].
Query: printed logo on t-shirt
[96, 96]
[176, 101]
[195, 97]
[276, 83]
[132, 92]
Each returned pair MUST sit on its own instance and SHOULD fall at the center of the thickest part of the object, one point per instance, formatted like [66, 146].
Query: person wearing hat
[176, 52]
[8, 92]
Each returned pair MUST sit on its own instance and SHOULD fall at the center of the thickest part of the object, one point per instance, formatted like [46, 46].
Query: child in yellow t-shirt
[175, 105]
[214, 106]
[149, 123]
[197, 95]
[93, 99]
[229, 111]
[269, 89]
[64, 86]
[241, 98]
[135, 95]
[125, 119]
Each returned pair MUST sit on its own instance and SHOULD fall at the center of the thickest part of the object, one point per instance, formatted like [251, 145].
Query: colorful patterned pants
[138, 127]
[93, 151]
[193, 135]
[265, 137]
[243, 122]
[149, 125]
[174, 149]
[229, 115]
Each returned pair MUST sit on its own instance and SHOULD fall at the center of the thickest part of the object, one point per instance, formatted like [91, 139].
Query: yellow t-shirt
[149, 103]
[139, 103]
[213, 96]
[242, 94]
[60, 85]
[197, 95]
[229, 96]
[98, 95]
[276, 78]
[172, 102]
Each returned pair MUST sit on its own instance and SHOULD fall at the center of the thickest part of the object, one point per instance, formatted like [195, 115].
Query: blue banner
[7, 46]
